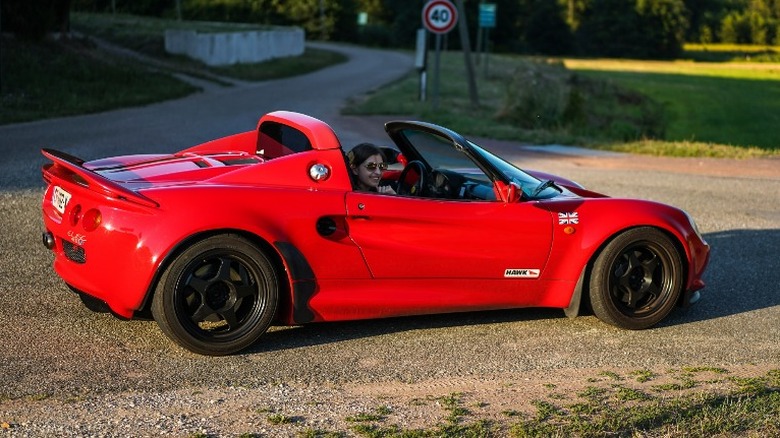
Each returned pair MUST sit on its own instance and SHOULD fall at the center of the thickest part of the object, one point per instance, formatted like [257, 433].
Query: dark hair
[362, 152]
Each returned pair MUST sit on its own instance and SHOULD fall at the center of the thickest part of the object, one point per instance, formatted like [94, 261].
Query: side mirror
[509, 193]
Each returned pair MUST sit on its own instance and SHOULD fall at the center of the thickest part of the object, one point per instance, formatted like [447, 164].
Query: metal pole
[486, 52]
[464, 42]
[436, 64]
[421, 61]
[479, 44]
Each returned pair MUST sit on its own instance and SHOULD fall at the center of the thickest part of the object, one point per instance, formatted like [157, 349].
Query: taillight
[92, 219]
[75, 215]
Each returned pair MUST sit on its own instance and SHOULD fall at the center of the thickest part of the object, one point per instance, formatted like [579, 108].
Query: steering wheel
[416, 188]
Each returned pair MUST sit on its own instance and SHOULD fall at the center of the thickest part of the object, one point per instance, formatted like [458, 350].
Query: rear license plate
[59, 199]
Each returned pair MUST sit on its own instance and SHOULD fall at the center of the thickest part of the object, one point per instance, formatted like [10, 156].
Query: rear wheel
[217, 297]
[636, 279]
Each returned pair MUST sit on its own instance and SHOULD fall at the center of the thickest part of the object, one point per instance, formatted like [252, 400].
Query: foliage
[546, 31]
[322, 19]
[545, 95]
[625, 28]
[663, 24]
[640, 29]
[32, 19]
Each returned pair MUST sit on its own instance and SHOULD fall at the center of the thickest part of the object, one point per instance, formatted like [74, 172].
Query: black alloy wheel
[637, 279]
[217, 297]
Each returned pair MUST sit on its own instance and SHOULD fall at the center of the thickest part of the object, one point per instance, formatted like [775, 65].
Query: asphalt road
[51, 346]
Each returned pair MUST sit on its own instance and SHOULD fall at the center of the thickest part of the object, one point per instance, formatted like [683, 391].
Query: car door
[407, 237]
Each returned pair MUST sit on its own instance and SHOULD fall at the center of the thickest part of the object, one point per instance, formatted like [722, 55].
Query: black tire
[636, 279]
[217, 297]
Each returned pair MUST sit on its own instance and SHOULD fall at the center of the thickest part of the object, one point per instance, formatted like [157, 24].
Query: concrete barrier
[228, 48]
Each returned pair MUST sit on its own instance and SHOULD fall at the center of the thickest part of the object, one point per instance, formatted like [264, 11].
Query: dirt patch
[293, 409]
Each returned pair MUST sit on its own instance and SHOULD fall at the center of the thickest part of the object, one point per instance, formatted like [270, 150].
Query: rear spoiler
[84, 177]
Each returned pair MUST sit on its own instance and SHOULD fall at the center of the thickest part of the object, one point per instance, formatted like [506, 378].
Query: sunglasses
[373, 166]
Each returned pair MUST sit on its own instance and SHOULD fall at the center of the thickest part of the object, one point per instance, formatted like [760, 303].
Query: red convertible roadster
[221, 240]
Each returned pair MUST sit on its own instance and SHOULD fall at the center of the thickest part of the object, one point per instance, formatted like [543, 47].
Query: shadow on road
[742, 276]
[331, 332]
[742, 267]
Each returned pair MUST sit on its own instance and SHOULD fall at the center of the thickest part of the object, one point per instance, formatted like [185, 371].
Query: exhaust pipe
[48, 240]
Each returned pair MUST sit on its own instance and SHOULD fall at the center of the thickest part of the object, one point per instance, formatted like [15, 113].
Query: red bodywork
[382, 256]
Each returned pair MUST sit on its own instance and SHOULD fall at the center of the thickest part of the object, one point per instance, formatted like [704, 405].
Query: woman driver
[367, 164]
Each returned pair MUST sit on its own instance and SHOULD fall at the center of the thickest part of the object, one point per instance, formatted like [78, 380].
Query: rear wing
[69, 168]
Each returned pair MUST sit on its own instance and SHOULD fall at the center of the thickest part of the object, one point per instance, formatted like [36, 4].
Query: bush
[545, 95]
[538, 96]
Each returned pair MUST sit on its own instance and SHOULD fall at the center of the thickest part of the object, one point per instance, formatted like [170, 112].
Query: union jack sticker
[571, 218]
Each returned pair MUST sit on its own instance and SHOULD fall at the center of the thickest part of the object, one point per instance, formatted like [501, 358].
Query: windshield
[512, 174]
[440, 153]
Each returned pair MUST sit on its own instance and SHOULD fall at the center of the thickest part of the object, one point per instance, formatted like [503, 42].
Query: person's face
[369, 172]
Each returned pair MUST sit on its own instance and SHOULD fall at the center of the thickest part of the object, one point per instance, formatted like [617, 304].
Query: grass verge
[647, 107]
[690, 401]
[70, 76]
[731, 53]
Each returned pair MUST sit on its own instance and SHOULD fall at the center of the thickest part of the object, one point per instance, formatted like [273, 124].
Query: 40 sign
[439, 16]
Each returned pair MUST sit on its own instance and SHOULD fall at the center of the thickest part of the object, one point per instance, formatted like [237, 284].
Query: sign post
[439, 17]
[487, 21]
[421, 61]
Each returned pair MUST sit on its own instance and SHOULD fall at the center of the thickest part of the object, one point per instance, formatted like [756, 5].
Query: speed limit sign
[439, 16]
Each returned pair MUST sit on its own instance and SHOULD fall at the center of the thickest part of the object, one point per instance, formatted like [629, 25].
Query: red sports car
[221, 240]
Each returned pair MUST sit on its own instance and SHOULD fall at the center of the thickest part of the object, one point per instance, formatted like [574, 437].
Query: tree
[547, 32]
[633, 28]
[33, 19]
[609, 28]
[663, 24]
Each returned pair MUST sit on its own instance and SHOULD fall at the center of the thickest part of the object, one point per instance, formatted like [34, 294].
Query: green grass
[55, 79]
[710, 109]
[749, 407]
[672, 108]
[731, 53]
[693, 402]
[311, 60]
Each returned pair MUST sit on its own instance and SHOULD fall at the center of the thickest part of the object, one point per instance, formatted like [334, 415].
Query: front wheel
[217, 297]
[636, 279]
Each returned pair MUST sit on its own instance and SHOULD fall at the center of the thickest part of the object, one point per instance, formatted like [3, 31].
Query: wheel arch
[581, 295]
[285, 296]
